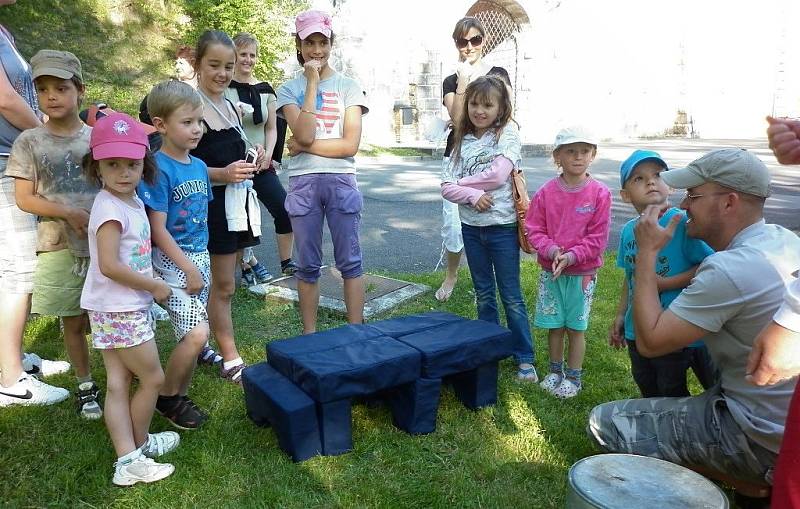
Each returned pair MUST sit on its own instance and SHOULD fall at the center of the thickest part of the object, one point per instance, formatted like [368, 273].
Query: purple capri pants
[317, 197]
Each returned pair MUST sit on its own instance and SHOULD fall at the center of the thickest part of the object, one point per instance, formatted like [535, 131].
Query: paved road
[402, 205]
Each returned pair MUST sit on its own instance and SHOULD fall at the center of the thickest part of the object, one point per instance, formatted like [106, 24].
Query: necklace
[226, 118]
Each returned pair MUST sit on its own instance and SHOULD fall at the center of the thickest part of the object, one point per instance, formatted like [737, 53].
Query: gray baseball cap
[735, 168]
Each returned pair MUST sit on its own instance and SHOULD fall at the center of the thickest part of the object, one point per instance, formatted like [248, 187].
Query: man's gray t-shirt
[734, 295]
[334, 95]
[19, 75]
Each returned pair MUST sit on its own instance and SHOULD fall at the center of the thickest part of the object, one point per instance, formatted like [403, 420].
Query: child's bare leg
[223, 287]
[308, 297]
[181, 364]
[117, 406]
[354, 299]
[284, 241]
[577, 348]
[75, 328]
[555, 341]
[451, 276]
[142, 360]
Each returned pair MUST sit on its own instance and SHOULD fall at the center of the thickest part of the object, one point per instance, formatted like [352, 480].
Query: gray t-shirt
[734, 295]
[19, 75]
[334, 95]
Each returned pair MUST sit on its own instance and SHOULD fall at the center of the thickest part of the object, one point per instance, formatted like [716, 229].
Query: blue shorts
[564, 302]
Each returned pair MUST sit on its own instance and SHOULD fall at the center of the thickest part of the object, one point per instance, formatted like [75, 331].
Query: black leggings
[272, 195]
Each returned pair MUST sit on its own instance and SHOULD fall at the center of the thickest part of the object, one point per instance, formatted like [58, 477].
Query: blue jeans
[493, 255]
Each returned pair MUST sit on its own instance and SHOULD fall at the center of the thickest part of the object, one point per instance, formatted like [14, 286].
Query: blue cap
[638, 156]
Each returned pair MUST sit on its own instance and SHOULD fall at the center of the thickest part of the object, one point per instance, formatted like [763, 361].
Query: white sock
[129, 457]
[232, 364]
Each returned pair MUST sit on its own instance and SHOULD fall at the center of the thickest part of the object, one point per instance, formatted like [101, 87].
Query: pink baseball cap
[311, 22]
[118, 135]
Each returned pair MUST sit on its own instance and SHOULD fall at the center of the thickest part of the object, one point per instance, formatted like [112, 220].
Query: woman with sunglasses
[468, 36]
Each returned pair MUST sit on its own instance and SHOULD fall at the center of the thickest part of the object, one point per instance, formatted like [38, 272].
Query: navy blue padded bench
[404, 325]
[466, 352]
[273, 399]
[336, 365]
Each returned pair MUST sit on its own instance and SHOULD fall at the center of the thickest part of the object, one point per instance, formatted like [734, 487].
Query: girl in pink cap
[323, 109]
[118, 293]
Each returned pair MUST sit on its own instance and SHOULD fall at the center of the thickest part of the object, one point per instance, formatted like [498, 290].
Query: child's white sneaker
[566, 389]
[551, 381]
[160, 443]
[141, 469]
[36, 366]
[30, 391]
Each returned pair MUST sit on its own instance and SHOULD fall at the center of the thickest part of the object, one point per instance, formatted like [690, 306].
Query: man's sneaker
[261, 273]
[142, 469]
[248, 278]
[181, 412]
[36, 366]
[160, 443]
[30, 391]
[89, 401]
[288, 268]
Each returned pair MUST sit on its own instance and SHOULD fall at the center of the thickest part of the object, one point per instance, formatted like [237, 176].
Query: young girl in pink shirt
[567, 224]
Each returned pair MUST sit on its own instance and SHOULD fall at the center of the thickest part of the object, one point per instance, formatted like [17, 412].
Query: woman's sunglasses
[476, 41]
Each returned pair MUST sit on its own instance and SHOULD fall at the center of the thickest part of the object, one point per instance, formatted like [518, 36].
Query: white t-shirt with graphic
[101, 293]
[334, 95]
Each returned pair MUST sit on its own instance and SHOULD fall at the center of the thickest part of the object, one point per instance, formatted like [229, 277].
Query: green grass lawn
[514, 454]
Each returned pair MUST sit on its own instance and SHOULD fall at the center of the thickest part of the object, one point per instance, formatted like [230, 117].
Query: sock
[285, 262]
[557, 367]
[574, 375]
[232, 364]
[129, 457]
[82, 379]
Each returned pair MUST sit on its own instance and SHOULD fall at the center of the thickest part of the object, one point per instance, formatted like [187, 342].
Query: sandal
[234, 374]
[527, 374]
[181, 412]
[208, 356]
[566, 389]
[443, 293]
[551, 381]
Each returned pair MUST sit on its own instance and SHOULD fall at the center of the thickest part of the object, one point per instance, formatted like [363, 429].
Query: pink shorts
[120, 329]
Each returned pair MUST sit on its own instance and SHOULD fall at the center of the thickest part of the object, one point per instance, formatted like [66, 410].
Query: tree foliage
[270, 21]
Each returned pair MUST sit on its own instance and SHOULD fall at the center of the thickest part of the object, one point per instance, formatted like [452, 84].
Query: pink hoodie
[576, 220]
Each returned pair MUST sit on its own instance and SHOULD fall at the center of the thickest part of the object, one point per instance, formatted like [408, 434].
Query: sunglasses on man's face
[476, 41]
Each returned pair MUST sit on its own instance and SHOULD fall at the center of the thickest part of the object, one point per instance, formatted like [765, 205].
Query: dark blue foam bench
[344, 362]
[414, 405]
[467, 352]
[272, 399]
[404, 325]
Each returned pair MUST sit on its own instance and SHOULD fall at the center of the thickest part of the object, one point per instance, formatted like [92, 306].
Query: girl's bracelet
[307, 111]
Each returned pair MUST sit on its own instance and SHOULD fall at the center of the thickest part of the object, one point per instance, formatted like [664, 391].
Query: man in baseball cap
[734, 429]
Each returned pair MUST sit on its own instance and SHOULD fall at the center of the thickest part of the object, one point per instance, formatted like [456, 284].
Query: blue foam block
[340, 364]
[272, 399]
[401, 326]
[335, 425]
[459, 346]
[414, 405]
[280, 352]
[478, 387]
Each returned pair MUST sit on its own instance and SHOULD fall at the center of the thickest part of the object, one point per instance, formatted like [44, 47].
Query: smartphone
[251, 156]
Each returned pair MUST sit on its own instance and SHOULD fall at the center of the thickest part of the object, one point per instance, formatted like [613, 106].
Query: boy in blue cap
[676, 264]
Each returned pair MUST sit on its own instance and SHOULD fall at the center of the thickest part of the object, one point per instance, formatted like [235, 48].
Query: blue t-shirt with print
[182, 191]
[681, 254]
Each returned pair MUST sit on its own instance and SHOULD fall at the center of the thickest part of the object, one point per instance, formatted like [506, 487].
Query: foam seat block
[335, 426]
[459, 346]
[414, 405]
[404, 325]
[280, 353]
[476, 388]
[272, 399]
[345, 362]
